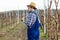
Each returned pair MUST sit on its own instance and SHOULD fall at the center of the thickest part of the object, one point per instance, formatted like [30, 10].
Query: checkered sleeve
[31, 19]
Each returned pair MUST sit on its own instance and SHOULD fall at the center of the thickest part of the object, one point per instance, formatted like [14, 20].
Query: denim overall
[33, 31]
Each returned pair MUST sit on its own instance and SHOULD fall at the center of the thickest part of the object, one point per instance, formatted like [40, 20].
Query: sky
[6, 5]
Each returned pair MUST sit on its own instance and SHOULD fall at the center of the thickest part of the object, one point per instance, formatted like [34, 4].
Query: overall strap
[37, 17]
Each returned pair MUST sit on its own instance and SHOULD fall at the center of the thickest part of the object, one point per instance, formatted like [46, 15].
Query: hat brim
[31, 6]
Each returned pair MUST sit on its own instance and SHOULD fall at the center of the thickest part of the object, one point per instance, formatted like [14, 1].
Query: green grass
[42, 35]
[20, 27]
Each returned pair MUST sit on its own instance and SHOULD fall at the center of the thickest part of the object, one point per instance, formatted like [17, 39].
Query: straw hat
[32, 4]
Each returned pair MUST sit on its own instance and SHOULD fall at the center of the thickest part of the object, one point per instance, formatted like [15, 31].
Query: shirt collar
[32, 11]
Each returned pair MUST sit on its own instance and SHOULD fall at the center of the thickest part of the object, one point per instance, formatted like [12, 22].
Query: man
[32, 22]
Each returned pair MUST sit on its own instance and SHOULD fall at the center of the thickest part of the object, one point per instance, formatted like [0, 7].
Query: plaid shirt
[31, 18]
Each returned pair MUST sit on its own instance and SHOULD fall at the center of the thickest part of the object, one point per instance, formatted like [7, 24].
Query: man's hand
[22, 19]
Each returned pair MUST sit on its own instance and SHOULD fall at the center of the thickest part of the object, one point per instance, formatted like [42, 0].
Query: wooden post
[44, 18]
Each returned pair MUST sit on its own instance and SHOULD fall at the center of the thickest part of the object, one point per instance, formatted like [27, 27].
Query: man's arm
[31, 19]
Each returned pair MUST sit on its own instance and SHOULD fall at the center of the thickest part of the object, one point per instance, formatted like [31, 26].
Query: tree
[48, 20]
[56, 15]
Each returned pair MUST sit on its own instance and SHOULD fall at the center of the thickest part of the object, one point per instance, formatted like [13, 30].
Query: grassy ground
[17, 33]
[42, 35]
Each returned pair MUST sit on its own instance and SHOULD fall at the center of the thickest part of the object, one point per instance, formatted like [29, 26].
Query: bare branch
[56, 2]
[50, 4]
